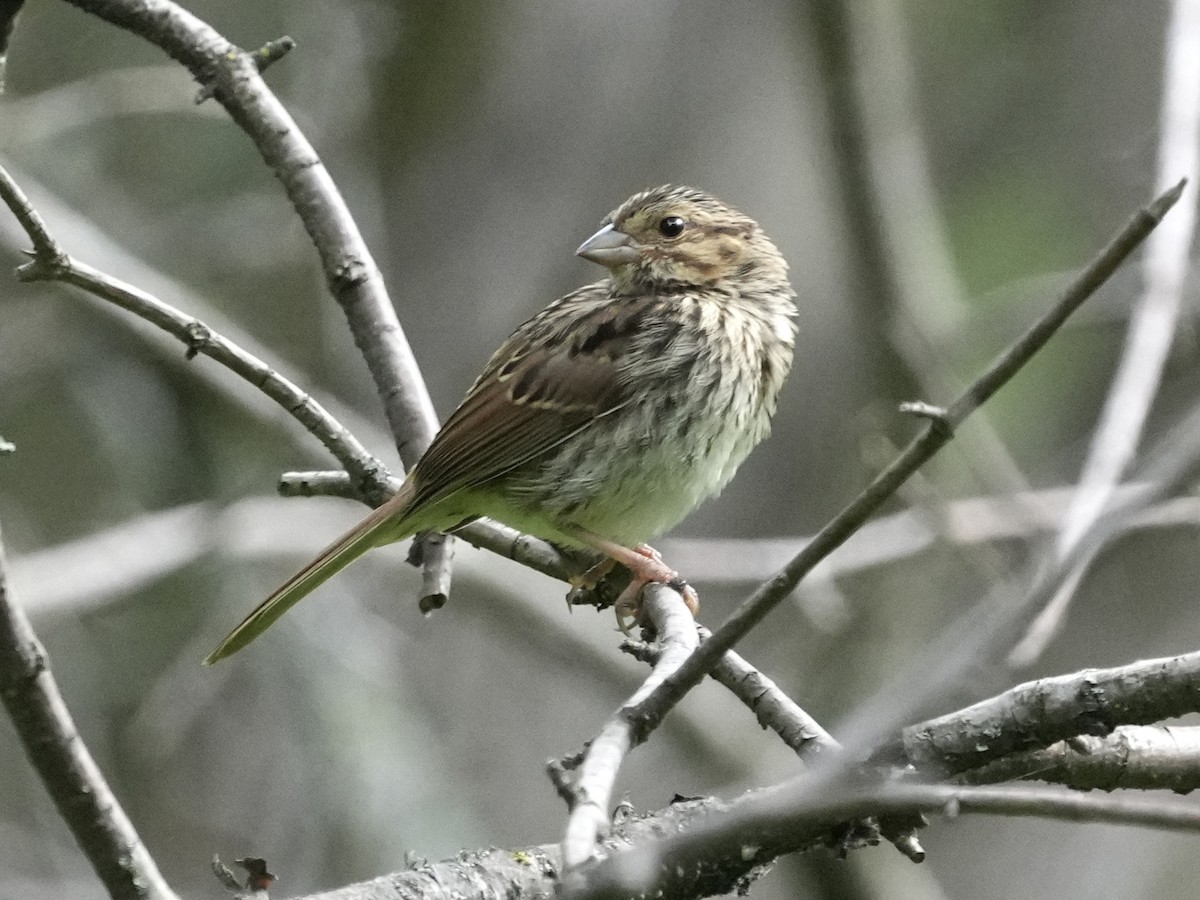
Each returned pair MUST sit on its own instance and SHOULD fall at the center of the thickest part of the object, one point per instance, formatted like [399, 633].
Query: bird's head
[676, 238]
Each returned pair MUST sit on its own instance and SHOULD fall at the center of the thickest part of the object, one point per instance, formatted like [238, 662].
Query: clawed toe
[592, 576]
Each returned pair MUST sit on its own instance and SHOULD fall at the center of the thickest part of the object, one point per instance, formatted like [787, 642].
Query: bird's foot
[647, 567]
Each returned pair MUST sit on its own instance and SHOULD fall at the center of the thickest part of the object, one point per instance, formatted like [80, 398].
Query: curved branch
[55, 749]
[233, 77]
[51, 263]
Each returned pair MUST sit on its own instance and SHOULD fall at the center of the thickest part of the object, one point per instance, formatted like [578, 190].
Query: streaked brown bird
[608, 416]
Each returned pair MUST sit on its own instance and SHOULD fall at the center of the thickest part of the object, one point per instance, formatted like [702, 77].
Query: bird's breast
[699, 399]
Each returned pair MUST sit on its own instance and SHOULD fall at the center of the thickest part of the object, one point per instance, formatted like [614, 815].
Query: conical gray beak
[609, 247]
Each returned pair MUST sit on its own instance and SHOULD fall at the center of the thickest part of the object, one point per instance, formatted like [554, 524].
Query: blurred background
[933, 171]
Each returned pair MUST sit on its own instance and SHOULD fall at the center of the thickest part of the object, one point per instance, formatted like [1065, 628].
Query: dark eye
[671, 226]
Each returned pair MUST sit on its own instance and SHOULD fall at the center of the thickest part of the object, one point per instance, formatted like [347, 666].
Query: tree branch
[933, 437]
[350, 271]
[591, 788]
[61, 759]
[771, 706]
[705, 847]
[1040, 713]
[764, 824]
[1151, 330]
[232, 77]
[1132, 757]
[51, 263]
[775, 710]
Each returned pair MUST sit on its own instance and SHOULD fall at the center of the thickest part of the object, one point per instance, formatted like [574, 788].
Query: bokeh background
[933, 170]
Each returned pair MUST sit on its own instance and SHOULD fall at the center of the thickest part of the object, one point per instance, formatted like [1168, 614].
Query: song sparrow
[608, 416]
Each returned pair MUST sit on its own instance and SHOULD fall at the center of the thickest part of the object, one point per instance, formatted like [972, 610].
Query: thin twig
[932, 438]
[433, 552]
[987, 630]
[350, 270]
[61, 759]
[51, 263]
[899, 235]
[325, 484]
[773, 708]
[46, 252]
[73, 229]
[1151, 329]
[264, 57]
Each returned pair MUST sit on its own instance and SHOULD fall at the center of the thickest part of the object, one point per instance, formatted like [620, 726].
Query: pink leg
[647, 567]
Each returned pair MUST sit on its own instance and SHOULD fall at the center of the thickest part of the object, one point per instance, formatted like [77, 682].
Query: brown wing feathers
[533, 395]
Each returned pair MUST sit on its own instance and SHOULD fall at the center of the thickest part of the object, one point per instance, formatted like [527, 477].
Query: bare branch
[775, 710]
[534, 871]
[762, 825]
[233, 77]
[325, 484]
[47, 255]
[1040, 713]
[933, 437]
[771, 706]
[989, 627]
[264, 57]
[1132, 757]
[434, 553]
[700, 856]
[349, 268]
[883, 172]
[51, 263]
[62, 761]
[597, 771]
[1151, 328]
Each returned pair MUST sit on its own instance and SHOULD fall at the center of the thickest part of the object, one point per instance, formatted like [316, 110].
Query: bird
[608, 416]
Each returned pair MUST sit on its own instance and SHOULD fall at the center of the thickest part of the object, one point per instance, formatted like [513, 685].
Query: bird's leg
[647, 566]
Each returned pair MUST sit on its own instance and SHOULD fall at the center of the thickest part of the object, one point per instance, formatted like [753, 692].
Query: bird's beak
[609, 247]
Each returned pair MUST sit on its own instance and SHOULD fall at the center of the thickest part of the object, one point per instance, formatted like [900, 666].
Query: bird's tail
[377, 528]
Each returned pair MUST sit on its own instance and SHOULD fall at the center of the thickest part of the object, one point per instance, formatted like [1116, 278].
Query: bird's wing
[533, 394]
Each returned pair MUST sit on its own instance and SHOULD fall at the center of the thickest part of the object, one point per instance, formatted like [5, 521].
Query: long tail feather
[345, 550]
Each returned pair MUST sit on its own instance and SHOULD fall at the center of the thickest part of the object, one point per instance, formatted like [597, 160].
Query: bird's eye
[671, 226]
